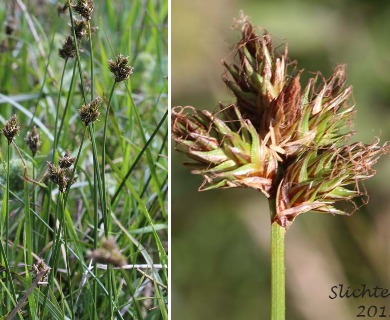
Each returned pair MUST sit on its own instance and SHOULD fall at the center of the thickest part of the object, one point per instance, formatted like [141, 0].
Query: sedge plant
[289, 141]
[84, 219]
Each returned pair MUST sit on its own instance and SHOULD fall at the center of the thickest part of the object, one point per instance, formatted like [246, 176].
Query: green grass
[121, 165]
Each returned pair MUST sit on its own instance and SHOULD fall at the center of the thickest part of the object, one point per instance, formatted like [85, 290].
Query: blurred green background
[220, 239]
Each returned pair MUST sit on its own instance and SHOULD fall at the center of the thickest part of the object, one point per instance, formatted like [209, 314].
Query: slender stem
[91, 130]
[58, 133]
[55, 249]
[95, 189]
[95, 236]
[105, 208]
[278, 271]
[102, 196]
[58, 112]
[102, 193]
[77, 53]
[5, 253]
[71, 299]
[7, 204]
[56, 240]
[55, 141]
[91, 53]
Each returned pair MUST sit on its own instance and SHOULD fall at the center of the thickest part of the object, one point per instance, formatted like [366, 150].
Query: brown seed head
[320, 178]
[273, 100]
[33, 140]
[55, 173]
[66, 161]
[89, 113]
[120, 68]
[60, 176]
[286, 140]
[68, 49]
[80, 28]
[11, 128]
[108, 253]
[84, 8]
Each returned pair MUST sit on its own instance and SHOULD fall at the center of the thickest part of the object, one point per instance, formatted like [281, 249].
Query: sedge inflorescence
[80, 27]
[89, 112]
[108, 253]
[63, 174]
[33, 140]
[11, 128]
[84, 8]
[120, 68]
[287, 141]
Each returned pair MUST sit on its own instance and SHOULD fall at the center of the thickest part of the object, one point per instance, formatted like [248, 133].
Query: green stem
[58, 133]
[95, 237]
[57, 113]
[5, 253]
[7, 204]
[278, 271]
[77, 53]
[95, 189]
[105, 208]
[6, 256]
[91, 53]
[71, 298]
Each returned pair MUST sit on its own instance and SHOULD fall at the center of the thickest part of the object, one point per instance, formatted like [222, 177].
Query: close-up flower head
[288, 134]
[286, 139]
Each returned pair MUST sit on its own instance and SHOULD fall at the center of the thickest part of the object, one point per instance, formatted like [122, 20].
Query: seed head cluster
[68, 49]
[84, 8]
[66, 161]
[33, 140]
[11, 128]
[108, 253]
[89, 113]
[286, 140]
[120, 68]
[80, 28]
[62, 175]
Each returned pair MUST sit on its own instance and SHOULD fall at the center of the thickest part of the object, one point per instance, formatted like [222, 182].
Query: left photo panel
[84, 159]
